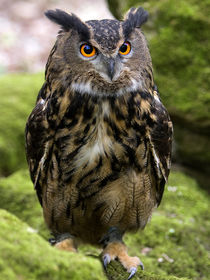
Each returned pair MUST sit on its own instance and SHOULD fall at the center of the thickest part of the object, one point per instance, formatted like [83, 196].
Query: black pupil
[88, 49]
[123, 48]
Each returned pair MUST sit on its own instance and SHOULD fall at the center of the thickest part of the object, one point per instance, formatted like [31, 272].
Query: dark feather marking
[112, 100]
[69, 21]
[138, 140]
[88, 112]
[68, 210]
[119, 114]
[84, 195]
[131, 154]
[145, 95]
[160, 191]
[51, 170]
[74, 107]
[86, 129]
[80, 140]
[71, 124]
[135, 18]
[113, 209]
[110, 178]
[38, 189]
[159, 186]
[92, 181]
[137, 217]
[84, 177]
[131, 108]
[58, 163]
[134, 190]
[94, 99]
[84, 206]
[99, 165]
[99, 206]
[115, 164]
[68, 176]
[61, 141]
[94, 121]
[149, 120]
[72, 220]
[85, 191]
[52, 216]
[115, 129]
[71, 155]
[145, 148]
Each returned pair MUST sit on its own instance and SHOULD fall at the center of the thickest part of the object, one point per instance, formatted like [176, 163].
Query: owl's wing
[160, 138]
[39, 137]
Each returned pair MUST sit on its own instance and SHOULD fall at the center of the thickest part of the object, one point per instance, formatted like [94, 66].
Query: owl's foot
[64, 242]
[117, 250]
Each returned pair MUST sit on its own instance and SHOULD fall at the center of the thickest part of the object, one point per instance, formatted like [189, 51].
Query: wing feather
[38, 140]
[160, 137]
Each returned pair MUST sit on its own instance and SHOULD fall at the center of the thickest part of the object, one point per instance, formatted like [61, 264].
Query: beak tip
[111, 68]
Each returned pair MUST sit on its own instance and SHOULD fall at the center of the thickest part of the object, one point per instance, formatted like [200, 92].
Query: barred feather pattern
[99, 152]
[97, 161]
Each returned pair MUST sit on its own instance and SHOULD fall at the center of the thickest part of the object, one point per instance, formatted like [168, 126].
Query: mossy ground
[17, 98]
[26, 255]
[174, 244]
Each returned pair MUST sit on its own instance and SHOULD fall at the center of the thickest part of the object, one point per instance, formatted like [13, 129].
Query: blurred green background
[176, 242]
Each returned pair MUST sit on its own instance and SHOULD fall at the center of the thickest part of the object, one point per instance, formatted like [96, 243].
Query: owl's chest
[95, 143]
[98, 144]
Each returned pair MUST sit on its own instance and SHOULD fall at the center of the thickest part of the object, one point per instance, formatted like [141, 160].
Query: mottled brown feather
[98, 151]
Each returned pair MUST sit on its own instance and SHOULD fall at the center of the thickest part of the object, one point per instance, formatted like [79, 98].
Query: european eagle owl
[98, 141]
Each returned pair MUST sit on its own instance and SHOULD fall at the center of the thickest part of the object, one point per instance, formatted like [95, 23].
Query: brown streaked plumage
[98, 141]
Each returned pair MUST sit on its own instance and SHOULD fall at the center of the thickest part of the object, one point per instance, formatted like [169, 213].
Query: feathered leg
[64, 242]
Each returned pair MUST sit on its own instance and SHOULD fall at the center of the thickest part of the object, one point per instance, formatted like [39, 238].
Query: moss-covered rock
[17, 98]
[17, 195]
[25, 255]
[174, 244]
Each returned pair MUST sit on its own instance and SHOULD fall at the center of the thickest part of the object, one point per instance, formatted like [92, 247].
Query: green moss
[25, 255]
[18, 196]
[115, 272]
[177, 236]
[18, 95]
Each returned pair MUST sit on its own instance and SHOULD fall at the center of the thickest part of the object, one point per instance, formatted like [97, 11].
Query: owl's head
[101, 57]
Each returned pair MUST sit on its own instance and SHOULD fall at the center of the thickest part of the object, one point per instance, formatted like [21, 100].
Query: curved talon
[132, 272]
[52, 241]
[106, 260]
[141, 265]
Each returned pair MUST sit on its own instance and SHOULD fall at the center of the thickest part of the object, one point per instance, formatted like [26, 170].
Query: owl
[98, 141]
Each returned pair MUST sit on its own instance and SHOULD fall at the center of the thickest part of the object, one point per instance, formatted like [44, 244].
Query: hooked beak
[111, 68]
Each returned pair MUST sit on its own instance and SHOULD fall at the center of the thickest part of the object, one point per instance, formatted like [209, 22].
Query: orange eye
[87, 50]
[125, 48]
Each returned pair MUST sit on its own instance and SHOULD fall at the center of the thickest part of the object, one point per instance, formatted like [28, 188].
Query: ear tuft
[68, 22]
[134, 19]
